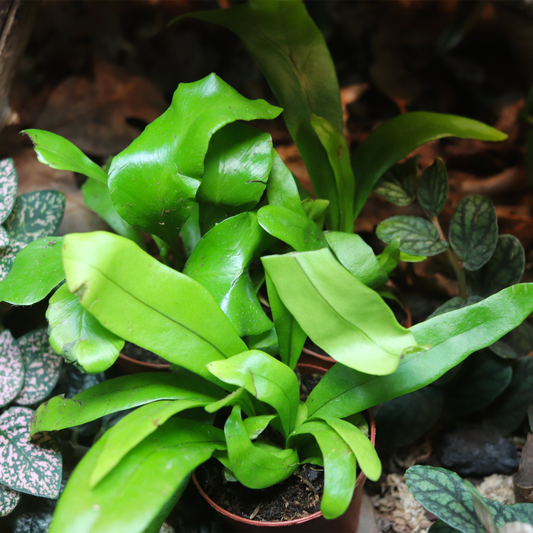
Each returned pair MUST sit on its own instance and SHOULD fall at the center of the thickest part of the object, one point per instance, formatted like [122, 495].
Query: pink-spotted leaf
[42, 367]
[30, 466]
[8, 500]
[11, 368]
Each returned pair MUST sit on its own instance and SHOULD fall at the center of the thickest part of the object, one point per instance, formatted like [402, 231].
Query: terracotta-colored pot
[328, 362]
[134, 366]
[347, 523]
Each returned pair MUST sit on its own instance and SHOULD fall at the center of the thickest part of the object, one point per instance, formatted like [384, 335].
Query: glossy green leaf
[417, 235]
[153, 182]
[291, 336]
[97, 198]
[8, 187]
[133, 429]
[43, 259]
[474, 231]
[357, 257]
[432, 188]
[236, 167]
[511, 408]
[255, 425]
[389, 258]
[30, 466]
[78, 336]
[408, 258]
[9, 499]
[294, 229]
[452, 337]
[42, 367]
[398, 137]
[35, 215]
[281, 187]
[168, 313]
[316, 210]
[333, 141]
[255, 467]
[455, 303]
[482, 378]
[403, 420]
[266, 342]
[504, 268]
[221, 262]
[190, 231]
[266, 378]
[339, 313]
[57, 152]
[362, 448]
[132, 494]
[444, 494]
[339, 466]
[398, 184]
[279, 35]
[481, 508]
[119, 394]
[238, 397]
[212, 214]
[11, 368]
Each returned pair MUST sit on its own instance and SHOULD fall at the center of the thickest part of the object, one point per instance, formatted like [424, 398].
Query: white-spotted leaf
[11, 368]
[43, 259]
[42, 367]
[8, 187]
[35, 215]
[30, 466]
[4, 238]
[8, 500]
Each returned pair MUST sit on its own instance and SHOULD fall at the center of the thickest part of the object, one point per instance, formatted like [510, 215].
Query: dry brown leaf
[513, 178]
[92, 113]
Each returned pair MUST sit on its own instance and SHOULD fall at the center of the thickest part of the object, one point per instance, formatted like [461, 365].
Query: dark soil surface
[297, 497]
[140, 354]
[307, 383]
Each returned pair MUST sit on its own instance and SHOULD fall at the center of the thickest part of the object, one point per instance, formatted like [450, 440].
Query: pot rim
[360, 479]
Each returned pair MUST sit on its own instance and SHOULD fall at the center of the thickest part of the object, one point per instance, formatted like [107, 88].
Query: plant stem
[454, 262]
